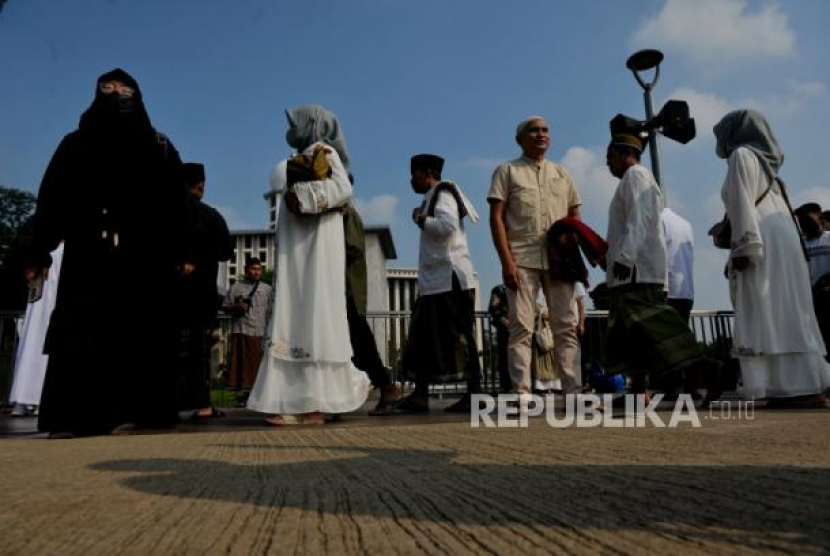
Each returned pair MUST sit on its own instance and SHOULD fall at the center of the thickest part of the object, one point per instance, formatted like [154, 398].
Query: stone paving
[422, 485]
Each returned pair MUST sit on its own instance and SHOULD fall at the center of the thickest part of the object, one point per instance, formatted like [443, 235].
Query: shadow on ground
[766, 506]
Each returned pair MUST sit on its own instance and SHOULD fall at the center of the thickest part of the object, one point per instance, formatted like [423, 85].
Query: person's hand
[580, 329]
[511, 275]
[32, 273]
[621, 272]
[740, 263]
[187, 269]
[292, 203]
[418, 217]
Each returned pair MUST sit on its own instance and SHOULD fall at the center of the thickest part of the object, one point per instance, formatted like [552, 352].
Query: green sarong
[646, 335]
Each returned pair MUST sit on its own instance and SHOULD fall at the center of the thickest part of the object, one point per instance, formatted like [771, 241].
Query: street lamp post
[642, 61]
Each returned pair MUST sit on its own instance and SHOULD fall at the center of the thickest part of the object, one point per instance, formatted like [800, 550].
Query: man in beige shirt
[526, 197]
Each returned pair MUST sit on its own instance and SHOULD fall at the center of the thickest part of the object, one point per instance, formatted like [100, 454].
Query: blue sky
[451, 78]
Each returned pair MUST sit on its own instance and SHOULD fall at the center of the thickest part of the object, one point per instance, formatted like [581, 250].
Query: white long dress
[307, 365]
[30, 363]
[776, 336]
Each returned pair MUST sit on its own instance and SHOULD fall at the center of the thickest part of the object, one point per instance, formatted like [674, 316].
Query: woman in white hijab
[776, 336]
[307, 368]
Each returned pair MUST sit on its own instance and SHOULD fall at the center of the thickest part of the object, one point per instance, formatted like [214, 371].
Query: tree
[16, 209]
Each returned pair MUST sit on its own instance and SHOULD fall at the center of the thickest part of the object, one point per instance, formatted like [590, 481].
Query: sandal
[306, 419]
[214, 414]
[388, 398]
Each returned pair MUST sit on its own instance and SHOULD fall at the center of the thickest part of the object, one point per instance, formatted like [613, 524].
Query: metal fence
[713, 329]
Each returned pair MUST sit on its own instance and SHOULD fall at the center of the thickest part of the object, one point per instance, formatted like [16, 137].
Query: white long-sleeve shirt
[680, 255]
[443, 247]
[635, 232]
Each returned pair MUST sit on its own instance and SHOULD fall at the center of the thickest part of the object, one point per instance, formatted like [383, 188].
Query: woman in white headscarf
[307, 369]
[776, 336]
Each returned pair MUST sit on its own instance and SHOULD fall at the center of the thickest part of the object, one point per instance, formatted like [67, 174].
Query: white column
[406, 297]
[396, 303]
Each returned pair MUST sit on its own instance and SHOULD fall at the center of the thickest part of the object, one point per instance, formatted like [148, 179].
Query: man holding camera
[249, 302]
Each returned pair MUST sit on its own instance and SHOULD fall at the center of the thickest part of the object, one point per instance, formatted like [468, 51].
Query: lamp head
[644, 60]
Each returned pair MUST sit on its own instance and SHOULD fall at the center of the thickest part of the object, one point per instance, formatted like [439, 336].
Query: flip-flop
[214, 414]
[292, 420]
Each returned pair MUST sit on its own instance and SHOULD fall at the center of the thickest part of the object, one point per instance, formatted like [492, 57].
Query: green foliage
[16, 209]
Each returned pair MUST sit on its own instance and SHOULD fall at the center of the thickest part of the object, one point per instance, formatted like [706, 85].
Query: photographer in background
[249, 303]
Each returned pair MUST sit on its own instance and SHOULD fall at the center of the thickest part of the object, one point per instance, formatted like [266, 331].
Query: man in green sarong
[646, 337]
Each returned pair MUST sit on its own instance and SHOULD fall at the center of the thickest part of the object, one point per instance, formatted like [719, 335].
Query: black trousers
[441, 345]
[366, 356]
[194, 367]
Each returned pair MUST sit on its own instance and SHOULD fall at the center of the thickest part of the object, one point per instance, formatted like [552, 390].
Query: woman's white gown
[776, 336]
[307, 365]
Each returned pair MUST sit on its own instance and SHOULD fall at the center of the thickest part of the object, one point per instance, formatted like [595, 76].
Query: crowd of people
[302, 349]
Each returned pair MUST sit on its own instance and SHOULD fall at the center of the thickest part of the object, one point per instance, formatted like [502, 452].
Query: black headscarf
[193, 173]
[111, 114]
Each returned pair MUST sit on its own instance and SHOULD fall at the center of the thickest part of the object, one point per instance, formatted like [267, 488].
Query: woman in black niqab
[114, 192]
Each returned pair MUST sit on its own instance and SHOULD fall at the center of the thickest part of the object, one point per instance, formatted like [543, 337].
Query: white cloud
[797, 96]
[708, 108]
[234, 220]
[808, 89]
[377, 210]
[594, 182]
[717, 33]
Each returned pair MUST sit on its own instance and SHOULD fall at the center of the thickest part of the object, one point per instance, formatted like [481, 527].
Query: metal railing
[713, 330]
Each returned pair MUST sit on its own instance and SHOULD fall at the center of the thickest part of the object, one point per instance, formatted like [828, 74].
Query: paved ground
[429, 485]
